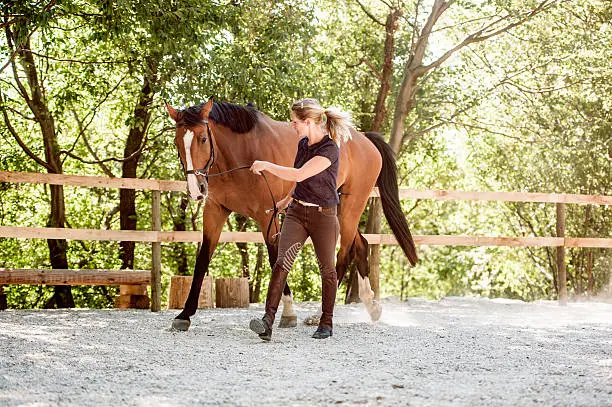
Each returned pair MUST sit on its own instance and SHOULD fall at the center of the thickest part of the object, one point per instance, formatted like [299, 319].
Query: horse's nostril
[200, 197]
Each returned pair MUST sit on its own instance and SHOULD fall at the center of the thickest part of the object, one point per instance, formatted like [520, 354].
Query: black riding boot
[329, 285]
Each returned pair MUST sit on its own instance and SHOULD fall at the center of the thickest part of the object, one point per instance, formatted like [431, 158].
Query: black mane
[239, 119]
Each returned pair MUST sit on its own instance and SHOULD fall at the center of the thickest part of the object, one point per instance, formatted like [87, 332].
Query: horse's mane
[239, 119]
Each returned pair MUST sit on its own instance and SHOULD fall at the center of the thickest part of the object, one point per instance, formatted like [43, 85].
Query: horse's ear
[206, 109]
[171, 111]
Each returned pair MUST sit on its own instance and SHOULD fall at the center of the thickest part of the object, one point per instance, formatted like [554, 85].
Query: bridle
[211, 161]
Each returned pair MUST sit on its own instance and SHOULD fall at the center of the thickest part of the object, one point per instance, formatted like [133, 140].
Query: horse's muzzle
[197, 187]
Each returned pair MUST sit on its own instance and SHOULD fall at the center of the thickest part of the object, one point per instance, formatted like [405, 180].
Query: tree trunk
[413, 69]
[127, 197]
[380, 110]
[255, 285]
[62, 297]
[589, 252]
[380, 114]
[374, 226]
[254, 279]
[62, 294]
[242, 221]
[590, 279]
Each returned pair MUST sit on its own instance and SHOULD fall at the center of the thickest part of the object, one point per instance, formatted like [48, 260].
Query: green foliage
[525, 111]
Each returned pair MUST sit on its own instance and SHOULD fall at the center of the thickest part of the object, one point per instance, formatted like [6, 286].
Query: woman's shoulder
[330, 144]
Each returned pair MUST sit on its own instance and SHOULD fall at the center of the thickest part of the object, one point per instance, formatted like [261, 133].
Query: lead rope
[274, 210]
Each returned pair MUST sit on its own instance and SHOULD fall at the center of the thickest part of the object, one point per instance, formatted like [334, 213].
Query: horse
[218, 141]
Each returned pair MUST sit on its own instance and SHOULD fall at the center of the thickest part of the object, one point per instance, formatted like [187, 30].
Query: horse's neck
[278, 139]
[269, 140]
[230, 150]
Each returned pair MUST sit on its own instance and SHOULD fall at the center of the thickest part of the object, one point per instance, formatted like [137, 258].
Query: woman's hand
[281, 206]
[283, 203]
[259, 166]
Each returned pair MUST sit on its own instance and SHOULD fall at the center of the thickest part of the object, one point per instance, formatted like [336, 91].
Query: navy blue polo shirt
[321, 188]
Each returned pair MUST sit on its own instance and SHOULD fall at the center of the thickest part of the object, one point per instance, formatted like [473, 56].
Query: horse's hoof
[181, 324]
[375, 311]
[313, 320]
[288, 321]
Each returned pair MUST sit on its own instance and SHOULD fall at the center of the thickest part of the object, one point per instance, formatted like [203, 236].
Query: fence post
[374, 226]
[562, 277]
[3, 303]
[156, 253]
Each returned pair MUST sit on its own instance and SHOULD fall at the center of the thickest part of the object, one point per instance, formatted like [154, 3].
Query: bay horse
[220, 138]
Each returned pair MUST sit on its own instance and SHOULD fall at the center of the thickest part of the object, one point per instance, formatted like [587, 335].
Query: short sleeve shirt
[320, 189]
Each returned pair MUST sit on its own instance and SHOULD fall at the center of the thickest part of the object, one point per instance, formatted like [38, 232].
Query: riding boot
[329, 286]
[263, 326]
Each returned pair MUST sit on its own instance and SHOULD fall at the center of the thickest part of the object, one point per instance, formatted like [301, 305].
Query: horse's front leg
[214, 217]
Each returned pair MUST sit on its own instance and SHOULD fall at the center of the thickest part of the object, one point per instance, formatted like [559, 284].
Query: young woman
[313, 208]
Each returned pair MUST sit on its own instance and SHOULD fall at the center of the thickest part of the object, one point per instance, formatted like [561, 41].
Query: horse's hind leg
[359, 255]
[366, 295]
[354, 247]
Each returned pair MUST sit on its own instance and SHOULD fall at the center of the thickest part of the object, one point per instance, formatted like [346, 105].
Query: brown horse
[219, 137]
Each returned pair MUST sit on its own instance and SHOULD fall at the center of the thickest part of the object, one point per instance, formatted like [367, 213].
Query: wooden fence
[156, 236]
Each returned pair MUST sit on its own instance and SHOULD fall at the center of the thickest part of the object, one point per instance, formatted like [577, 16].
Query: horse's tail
[389, 195]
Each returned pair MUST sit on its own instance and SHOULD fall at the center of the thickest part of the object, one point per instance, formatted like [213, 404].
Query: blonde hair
[337, 122]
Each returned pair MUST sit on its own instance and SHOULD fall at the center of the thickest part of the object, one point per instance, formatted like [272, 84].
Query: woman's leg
[292, 238]
[324, 230]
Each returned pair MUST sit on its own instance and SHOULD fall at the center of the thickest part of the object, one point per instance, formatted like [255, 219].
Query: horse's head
[194, 142]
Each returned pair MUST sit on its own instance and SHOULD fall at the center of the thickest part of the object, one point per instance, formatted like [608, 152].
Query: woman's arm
[312, 167]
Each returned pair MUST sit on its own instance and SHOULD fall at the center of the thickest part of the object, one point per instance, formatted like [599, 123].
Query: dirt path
[458, 352]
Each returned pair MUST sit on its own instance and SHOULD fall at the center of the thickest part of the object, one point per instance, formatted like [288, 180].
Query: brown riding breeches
[322, 225]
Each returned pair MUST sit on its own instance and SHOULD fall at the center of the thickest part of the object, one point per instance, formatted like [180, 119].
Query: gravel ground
[457, 351]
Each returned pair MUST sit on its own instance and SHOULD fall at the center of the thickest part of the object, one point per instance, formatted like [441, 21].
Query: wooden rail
[405, 193]
[74, 277]
[256, 237]
[156, 236]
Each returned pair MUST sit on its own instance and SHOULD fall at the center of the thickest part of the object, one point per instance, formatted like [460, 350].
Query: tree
[19, 25]
[551, 116]
[416, 72]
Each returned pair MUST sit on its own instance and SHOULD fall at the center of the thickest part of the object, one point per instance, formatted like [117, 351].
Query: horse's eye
[204, 140]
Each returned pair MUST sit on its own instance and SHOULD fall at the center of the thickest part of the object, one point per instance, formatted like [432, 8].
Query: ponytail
[337, 122]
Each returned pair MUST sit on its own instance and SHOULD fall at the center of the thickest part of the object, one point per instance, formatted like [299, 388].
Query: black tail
[389, 195]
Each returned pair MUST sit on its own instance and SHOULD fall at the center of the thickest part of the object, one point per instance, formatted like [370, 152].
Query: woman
[313, 208]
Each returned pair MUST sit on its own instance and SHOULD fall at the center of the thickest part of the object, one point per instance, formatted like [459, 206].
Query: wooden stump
[132, 296]
[3, 304]
[179, 290]
[232, 292]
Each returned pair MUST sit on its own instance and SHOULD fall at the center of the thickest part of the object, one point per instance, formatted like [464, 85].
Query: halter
[211, 161]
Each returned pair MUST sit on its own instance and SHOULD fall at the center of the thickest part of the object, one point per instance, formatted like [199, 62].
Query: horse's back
[360, 164]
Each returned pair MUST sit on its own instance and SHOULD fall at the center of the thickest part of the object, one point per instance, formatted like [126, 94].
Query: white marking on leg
[288, 310]
[365, 290]
[367, 298]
